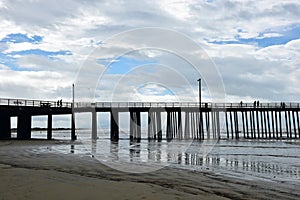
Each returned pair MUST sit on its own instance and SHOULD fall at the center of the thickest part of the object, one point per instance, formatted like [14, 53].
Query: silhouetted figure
[57, 103]
[241, 104]
[60, 103]
[254, 104]
[257, 104]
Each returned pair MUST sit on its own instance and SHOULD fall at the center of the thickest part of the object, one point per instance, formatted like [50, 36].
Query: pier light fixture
[199, 80]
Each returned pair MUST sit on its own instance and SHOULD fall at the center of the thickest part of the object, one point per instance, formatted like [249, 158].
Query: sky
[252, 47]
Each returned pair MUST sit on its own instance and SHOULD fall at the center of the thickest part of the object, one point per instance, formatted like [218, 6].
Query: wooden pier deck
[184, 120]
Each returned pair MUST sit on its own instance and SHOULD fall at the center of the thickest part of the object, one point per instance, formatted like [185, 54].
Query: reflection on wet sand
[72, 148]
[240, 158]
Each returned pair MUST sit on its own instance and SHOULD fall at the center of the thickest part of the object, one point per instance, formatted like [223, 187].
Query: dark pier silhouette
[183, 120]
[24, 110]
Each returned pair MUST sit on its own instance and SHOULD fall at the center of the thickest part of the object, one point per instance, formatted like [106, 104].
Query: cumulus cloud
[229, 31]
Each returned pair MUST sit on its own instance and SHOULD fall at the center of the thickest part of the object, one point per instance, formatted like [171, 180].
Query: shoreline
[19, 164]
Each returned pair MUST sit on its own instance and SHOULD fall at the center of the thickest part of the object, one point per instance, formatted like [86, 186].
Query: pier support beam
[132, 127]
[243, 122]
[73, 134]
[286, 124]
[247, 127]
[94, 125]
[202, 125]
[226, 121]
[294, 124]
[179, 125]
[49, 128]
[24, 126]
[174, 129]
[262, 124]
[139, 128]
[159, 128]
[218, 125]
[154, 126]
[5, 129]
[253, 135]
[207, 125]
[280, 125]
[151, 126]
[114, 126]
[257, 125]
[276, 125]
[298, 125]
[231, 124]
[269, 127]
[236, 124]
[290, 124]
[169, 126]
[135, 125]
[273, 123]
[187, 128]
[265, 125]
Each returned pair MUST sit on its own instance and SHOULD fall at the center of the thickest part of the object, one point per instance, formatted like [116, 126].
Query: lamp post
[73, 94]
[73, 134]
[199, 80]
[200, 113]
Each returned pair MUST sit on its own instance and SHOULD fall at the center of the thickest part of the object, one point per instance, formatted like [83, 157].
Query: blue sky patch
[123, 65]
[40, 52]
[7, 61]
[155, 89]
[20, 38]
[284, 36]
[10, 61]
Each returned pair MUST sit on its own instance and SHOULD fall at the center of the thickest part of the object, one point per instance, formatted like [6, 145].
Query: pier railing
[34, 103]
[184, 105]
[43, 103]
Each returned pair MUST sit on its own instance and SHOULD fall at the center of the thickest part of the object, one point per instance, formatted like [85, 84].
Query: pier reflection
[134, 150]
[114, 150]
[72, 148]
[267, 159]
[236, 164]
[228, 162]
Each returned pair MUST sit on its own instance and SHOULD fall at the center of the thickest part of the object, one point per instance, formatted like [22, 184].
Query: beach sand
[29, 174]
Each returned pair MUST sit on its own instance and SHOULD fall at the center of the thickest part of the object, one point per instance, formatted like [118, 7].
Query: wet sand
[29, 174]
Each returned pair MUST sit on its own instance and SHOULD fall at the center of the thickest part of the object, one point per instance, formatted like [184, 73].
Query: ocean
[274, 160]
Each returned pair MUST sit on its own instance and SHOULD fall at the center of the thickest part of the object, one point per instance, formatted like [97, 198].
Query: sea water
[277, 160]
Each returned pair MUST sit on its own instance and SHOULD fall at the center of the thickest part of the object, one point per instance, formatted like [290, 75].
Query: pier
[184, 120]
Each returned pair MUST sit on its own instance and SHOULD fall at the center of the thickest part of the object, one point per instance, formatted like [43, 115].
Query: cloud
[20, 38]
[34, 85]
[254, 45]
[266, 39]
